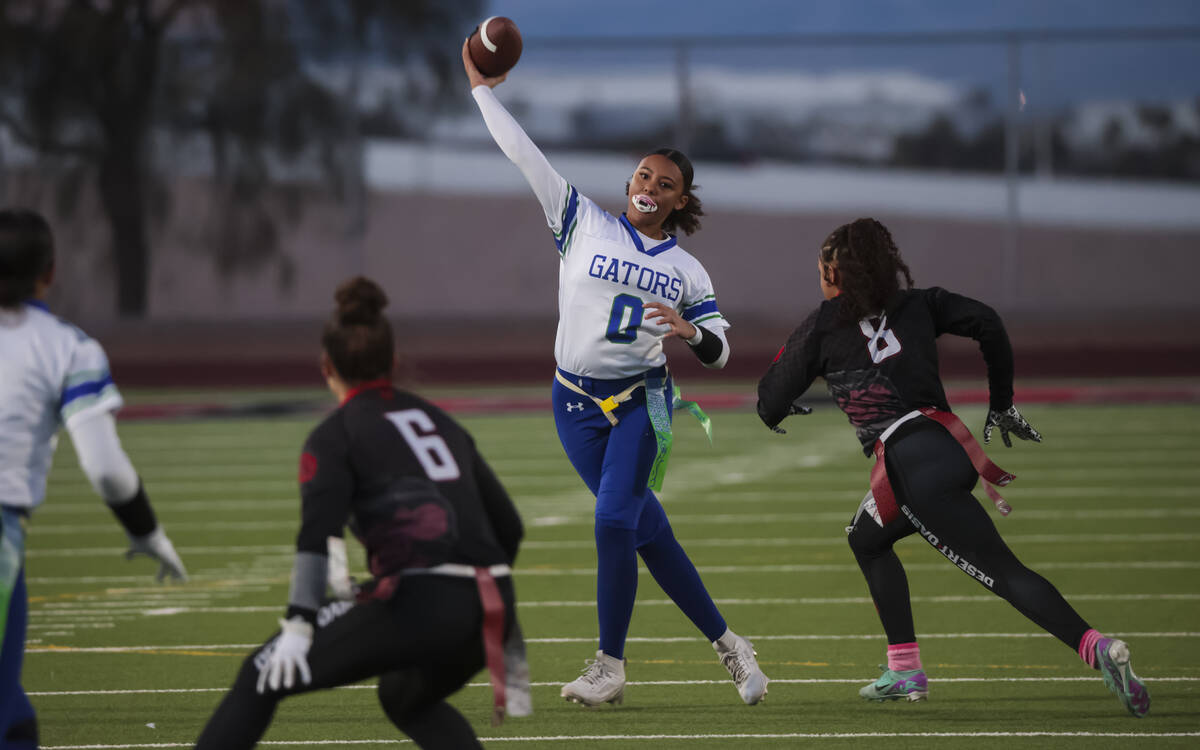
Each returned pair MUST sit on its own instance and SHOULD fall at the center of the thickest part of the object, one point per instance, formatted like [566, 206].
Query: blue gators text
[629, 273]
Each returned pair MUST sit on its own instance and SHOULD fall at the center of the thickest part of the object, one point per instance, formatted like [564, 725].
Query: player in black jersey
[440, 533]
[874, 343]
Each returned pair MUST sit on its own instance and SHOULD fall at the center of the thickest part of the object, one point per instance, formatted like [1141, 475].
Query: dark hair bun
[359, 301]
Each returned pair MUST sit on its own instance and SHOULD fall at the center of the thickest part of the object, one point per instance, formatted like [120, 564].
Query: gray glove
[1009, 421]
[793, 409]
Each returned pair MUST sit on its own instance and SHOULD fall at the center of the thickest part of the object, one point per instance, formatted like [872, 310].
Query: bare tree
[90, 82]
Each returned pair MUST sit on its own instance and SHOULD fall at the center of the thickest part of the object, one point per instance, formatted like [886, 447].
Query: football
[495, 46]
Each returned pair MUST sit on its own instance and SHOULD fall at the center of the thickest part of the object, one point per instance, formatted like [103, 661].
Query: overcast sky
[629, 17]
[1054, 74]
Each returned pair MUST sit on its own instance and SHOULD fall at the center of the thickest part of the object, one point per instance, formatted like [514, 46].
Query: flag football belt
[656, 407]
[607, 405]
[990, 473]
[493, 620]
[12, 556]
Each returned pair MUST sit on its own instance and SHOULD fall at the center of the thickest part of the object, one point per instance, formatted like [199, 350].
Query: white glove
[289, 654]
[157, 546]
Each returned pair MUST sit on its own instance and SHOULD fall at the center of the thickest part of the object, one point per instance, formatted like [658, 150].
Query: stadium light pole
[1043, 118]
[683, 123]
[1012, 173]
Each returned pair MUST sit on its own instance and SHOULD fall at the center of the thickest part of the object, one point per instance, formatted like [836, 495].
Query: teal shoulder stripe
[570, 236]
[84, 376]
[84, 402]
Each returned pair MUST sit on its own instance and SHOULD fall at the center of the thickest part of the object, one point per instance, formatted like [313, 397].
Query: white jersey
[51, 374]
[608, 270]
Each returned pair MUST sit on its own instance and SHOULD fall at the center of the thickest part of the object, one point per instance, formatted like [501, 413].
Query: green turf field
[1105, 508]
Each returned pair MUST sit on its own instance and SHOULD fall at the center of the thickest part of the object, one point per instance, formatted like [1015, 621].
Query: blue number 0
[624, 334]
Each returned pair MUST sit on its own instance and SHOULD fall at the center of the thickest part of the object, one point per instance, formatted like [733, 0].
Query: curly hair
[686, 219]
[868, 263]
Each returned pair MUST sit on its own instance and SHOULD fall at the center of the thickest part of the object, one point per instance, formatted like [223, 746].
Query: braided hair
[868, 263]
[357, 337]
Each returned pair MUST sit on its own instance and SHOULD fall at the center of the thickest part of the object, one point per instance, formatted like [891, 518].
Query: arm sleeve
[103, 460]
[789, 376]
[560, 201]
[963, 316]
[698, 306]
[500, 509]
[712, 348]
[326, 486]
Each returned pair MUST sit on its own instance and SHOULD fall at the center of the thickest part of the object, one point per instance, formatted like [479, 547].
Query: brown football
[495, 46]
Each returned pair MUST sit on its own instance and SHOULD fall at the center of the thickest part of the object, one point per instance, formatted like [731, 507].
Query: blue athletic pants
[614, 462]
[15, 708]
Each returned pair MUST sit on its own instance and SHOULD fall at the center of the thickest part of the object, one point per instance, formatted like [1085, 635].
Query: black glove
[1009, 421]
[793, 409]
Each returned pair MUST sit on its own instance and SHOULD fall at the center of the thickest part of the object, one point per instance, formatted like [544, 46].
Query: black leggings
[932, 479]
[424, 644]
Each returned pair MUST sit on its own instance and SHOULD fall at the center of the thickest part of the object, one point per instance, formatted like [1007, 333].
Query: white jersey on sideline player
[608, 270]
[51, 374]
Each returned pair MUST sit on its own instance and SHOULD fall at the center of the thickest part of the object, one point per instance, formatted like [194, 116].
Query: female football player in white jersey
[624, 286]
[51, 375]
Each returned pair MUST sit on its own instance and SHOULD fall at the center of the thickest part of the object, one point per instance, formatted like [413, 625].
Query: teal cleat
[1112, 655]
[909, 684]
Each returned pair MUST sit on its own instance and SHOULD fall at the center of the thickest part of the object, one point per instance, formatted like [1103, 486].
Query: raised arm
[551, 189]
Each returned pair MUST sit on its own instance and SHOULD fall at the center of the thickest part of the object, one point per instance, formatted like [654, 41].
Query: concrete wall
[473, 276]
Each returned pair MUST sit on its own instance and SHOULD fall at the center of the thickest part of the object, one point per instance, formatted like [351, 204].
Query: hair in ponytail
[868, 263]
[357, 337]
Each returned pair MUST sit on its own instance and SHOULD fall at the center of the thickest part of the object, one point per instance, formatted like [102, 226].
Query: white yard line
[631, 683]
[582, 519]
[749, 542]
[840, 541]
[654, 737]
[543, 572]
[95, 611]
[592, 639]
[848, 568]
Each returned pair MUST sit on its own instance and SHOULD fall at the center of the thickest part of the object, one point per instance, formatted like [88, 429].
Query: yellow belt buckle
[609, 404]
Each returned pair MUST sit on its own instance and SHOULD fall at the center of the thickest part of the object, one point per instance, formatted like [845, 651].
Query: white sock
[726, 642]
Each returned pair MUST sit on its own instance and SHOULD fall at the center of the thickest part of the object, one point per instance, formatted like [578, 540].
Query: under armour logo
[577, 406]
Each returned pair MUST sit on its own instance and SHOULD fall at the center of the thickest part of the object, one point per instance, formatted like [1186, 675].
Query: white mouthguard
[644, 204]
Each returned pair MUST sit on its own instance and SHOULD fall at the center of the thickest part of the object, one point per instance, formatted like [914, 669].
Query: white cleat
[602, 681]
[737, 654]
